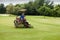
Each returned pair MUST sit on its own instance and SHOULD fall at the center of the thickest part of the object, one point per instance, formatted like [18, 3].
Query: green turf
[47, 28]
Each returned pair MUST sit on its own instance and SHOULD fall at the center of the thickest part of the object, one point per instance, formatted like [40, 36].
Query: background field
[47, 28]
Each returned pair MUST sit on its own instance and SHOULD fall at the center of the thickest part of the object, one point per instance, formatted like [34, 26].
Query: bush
[46, 11]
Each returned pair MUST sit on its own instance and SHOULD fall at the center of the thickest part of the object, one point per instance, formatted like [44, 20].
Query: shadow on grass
[24, 27]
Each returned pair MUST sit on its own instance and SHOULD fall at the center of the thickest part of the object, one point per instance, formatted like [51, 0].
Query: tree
[16, 10]
[2, 8]
[38, 3]
[57, 11]
[49, 4]
[10, 9]
[46, 11]
[18, 5]
[30, 8]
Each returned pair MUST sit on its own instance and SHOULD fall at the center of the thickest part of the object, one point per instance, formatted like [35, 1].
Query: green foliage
[10, 9]
[2, 8]
[38, 7]
[57, 11]
[38, 3]
[16, 10]
[49, 4]
[30, 8]
[46, 11]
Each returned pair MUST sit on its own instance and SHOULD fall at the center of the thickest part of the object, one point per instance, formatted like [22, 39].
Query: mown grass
[45, 28]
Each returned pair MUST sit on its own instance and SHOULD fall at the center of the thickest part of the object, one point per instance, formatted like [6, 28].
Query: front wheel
[16, 23]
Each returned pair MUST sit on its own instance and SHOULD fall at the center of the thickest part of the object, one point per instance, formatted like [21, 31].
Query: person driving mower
[22, 17]
[21, 20]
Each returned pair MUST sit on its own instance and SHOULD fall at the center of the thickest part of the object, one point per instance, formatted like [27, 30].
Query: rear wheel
[27, 25]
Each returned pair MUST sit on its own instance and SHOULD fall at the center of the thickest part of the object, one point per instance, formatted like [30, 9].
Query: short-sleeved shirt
[22, 17]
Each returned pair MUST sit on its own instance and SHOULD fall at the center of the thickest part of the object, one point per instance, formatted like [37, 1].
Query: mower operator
[22, 16]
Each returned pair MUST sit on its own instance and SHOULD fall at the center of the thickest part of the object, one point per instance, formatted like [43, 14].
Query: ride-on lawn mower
[21, 24]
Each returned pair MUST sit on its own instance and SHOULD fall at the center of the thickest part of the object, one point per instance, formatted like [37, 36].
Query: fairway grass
[45, 28]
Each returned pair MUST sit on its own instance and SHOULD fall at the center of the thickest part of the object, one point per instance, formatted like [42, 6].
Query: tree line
[37, 7]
